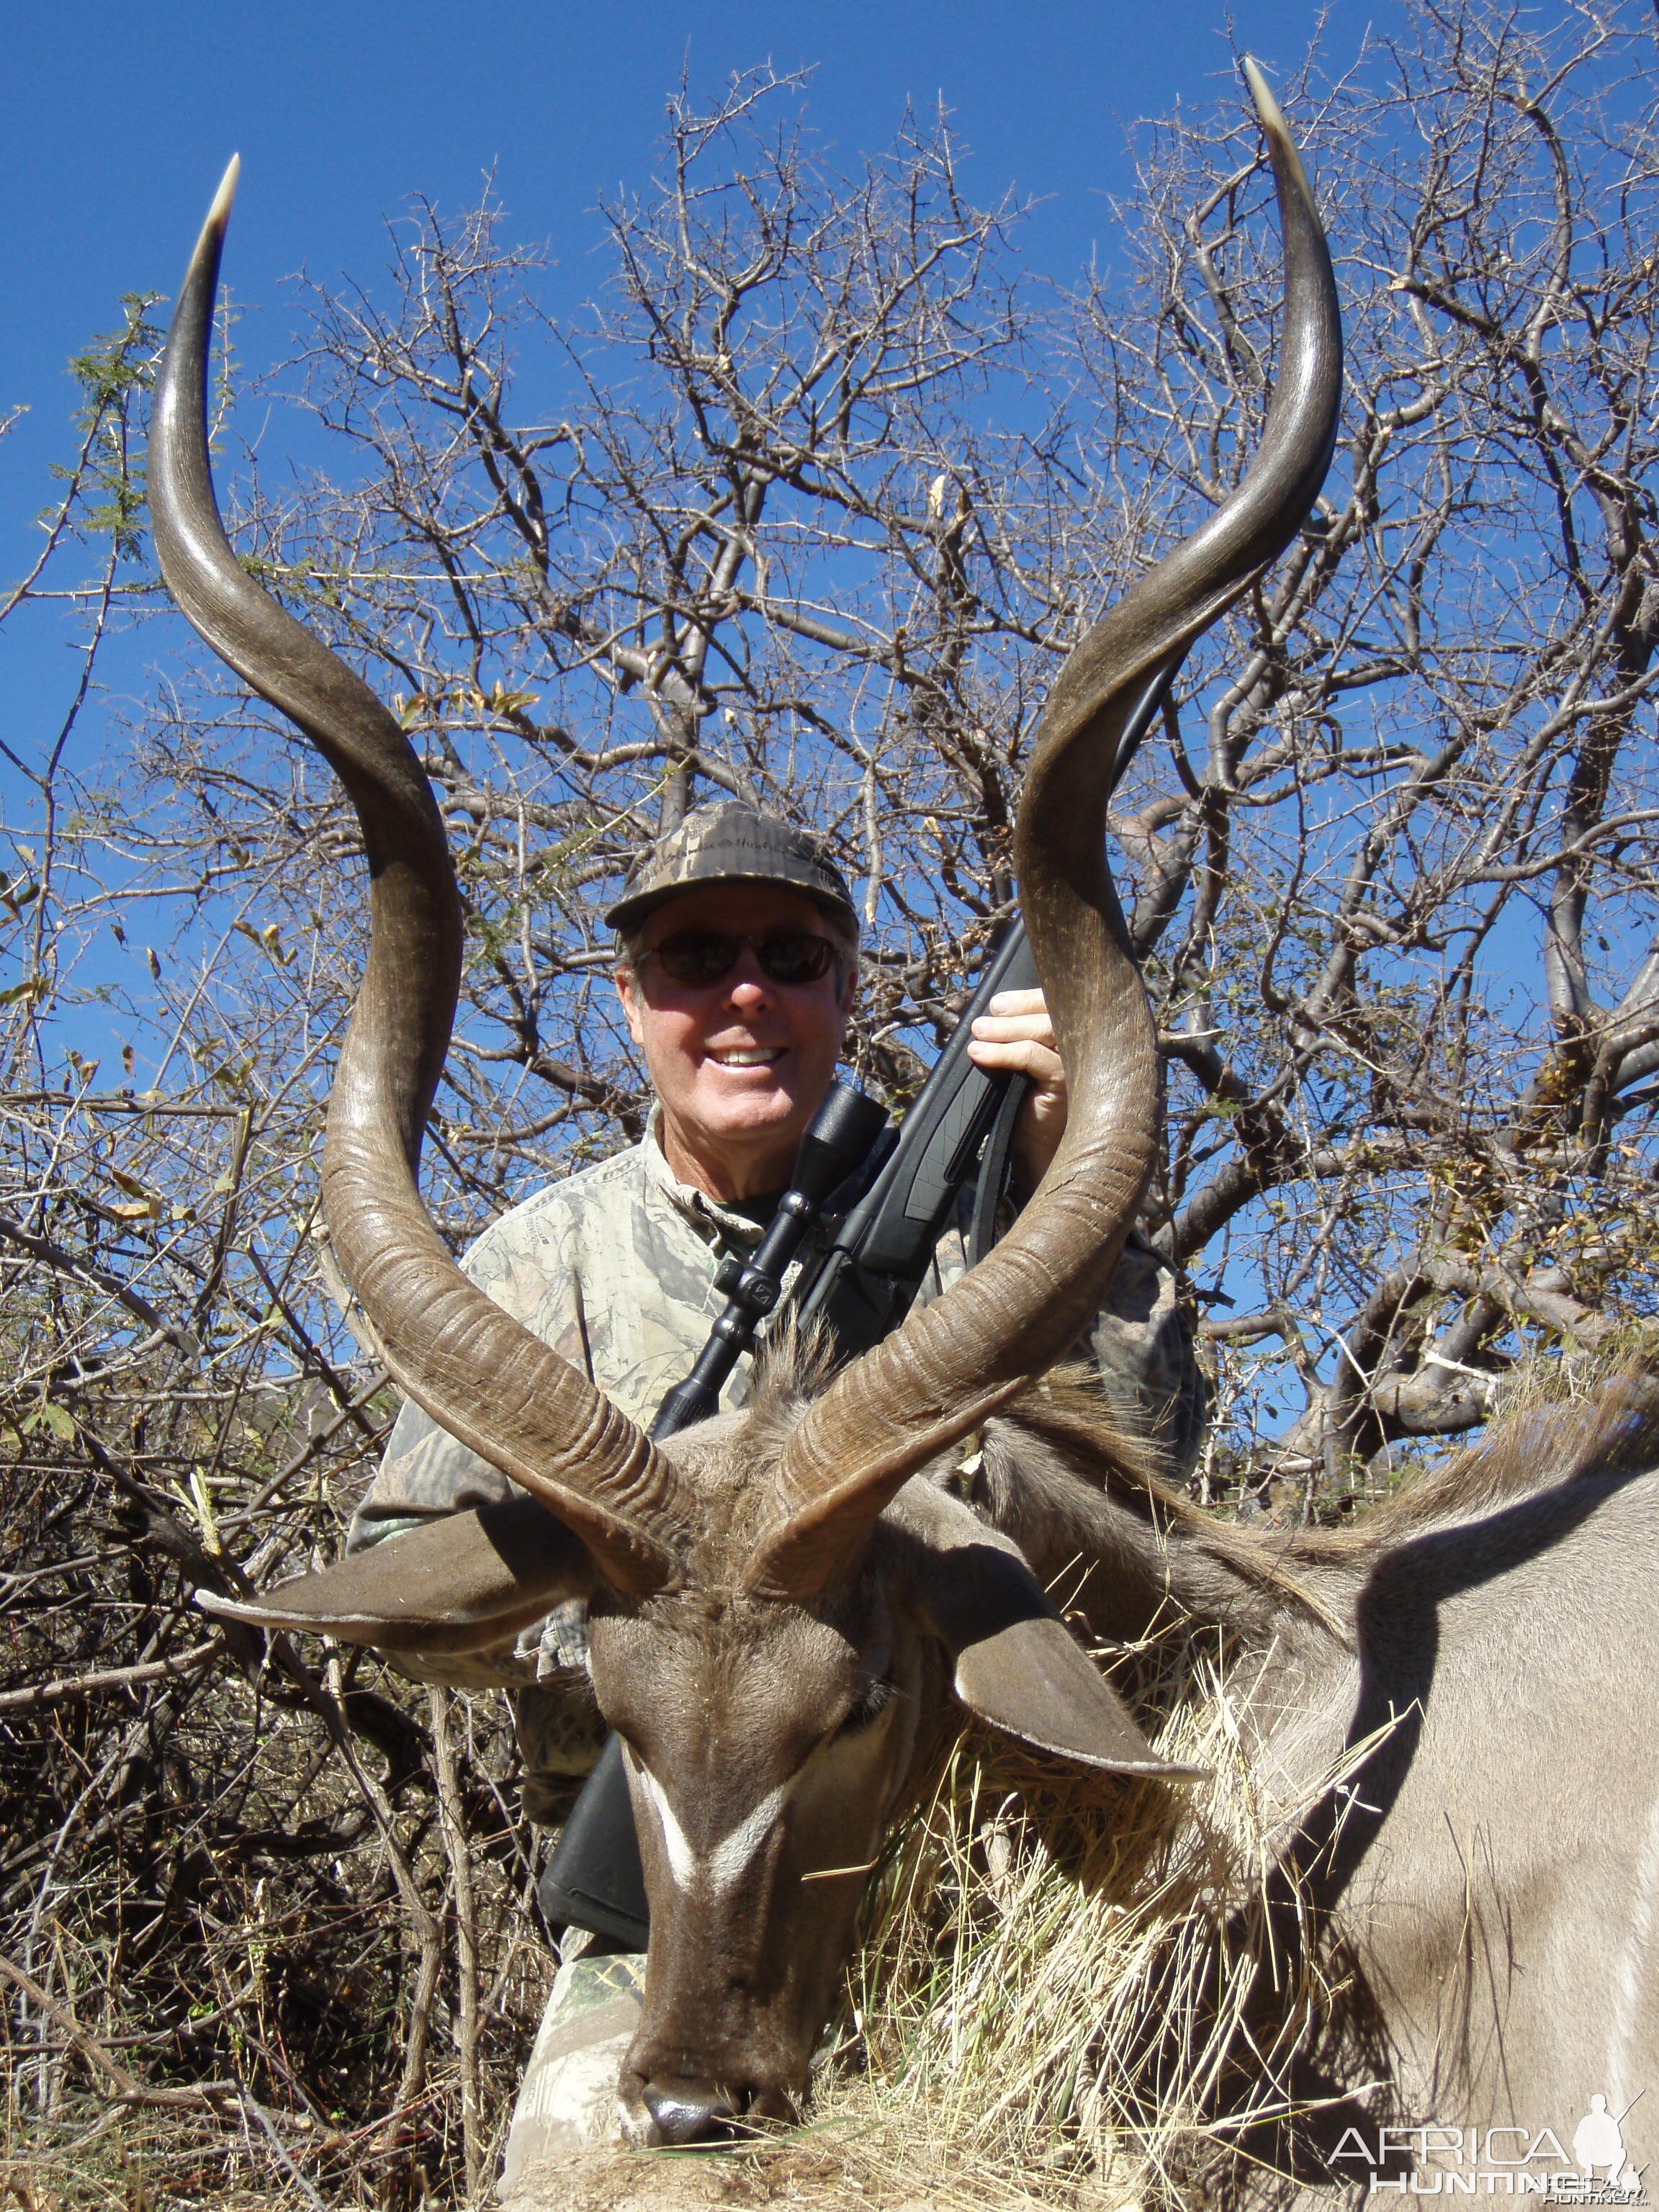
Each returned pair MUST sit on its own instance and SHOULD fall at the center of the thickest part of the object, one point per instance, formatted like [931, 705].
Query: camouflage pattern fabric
[614, 1267]
[732, 842]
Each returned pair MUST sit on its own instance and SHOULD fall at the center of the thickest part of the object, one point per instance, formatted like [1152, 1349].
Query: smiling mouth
[750, 1055]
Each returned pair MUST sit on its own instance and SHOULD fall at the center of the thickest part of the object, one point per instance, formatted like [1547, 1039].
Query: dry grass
[1049, 1991]
[1054, 1982]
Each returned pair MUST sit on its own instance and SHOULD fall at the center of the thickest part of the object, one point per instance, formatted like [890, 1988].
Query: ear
[461, 1584]
[1016, 1663]
[628, 992]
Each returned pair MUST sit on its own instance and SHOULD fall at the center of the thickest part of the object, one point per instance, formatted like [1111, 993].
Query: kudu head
[778, 1613]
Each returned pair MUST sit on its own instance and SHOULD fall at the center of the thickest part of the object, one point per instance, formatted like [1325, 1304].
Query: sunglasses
[697, 957]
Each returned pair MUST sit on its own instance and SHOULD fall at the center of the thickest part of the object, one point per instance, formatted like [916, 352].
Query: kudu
[782, 1604]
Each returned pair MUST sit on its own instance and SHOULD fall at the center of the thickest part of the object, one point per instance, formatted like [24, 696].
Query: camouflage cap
[731, 843]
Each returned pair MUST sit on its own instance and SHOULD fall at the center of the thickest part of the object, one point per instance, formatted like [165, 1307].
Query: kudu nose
[690, 2112]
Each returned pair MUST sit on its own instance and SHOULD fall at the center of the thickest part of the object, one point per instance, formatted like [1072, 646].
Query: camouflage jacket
[614, 1267]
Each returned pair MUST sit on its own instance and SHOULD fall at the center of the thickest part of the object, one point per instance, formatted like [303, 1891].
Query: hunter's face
[739, 1065]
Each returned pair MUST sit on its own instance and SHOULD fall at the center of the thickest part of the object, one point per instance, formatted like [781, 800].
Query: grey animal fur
[1481, 1891]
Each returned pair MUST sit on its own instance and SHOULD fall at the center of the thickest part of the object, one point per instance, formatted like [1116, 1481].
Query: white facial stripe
[682, 1859]
[732, 1853]
[720, 1867]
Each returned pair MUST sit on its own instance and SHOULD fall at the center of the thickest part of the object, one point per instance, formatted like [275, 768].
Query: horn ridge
[954, 1362]
[478, 1373]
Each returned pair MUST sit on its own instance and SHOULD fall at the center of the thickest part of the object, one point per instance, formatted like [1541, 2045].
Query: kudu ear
[1016, 1664]
[462, 1583]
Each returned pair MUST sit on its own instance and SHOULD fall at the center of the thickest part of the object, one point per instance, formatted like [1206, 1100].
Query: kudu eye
[872, 1702]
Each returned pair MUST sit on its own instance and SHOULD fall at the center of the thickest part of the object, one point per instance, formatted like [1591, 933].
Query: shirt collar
[705, 1214]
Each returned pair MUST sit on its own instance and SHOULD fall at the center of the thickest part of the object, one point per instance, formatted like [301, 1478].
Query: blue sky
[119, 120]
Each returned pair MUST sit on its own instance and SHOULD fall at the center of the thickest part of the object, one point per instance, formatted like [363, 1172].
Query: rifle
[875, 1202]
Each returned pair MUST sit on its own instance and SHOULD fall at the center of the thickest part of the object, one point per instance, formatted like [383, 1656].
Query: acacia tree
[743, 527]
[1417, 984]
[809, 505]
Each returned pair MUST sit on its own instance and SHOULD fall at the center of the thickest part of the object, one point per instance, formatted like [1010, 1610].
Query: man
[737, 946]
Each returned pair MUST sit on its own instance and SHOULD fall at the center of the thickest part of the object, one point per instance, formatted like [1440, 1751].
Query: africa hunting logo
[1509, 2162]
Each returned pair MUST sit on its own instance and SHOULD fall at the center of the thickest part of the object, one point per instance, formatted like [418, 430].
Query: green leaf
[48, 1416]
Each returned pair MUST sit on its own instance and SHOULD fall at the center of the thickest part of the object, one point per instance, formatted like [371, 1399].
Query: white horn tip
[218, 213]
[1272, 116]
[1267, 106]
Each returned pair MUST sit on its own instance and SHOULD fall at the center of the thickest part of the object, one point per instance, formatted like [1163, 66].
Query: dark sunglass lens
[697, 956]
[796, 955]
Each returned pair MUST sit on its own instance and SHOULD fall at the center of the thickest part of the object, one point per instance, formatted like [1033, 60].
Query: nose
[685, 2112]
[747, 984]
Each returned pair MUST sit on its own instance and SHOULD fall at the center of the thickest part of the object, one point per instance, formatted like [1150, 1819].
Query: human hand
[1016, 1033]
